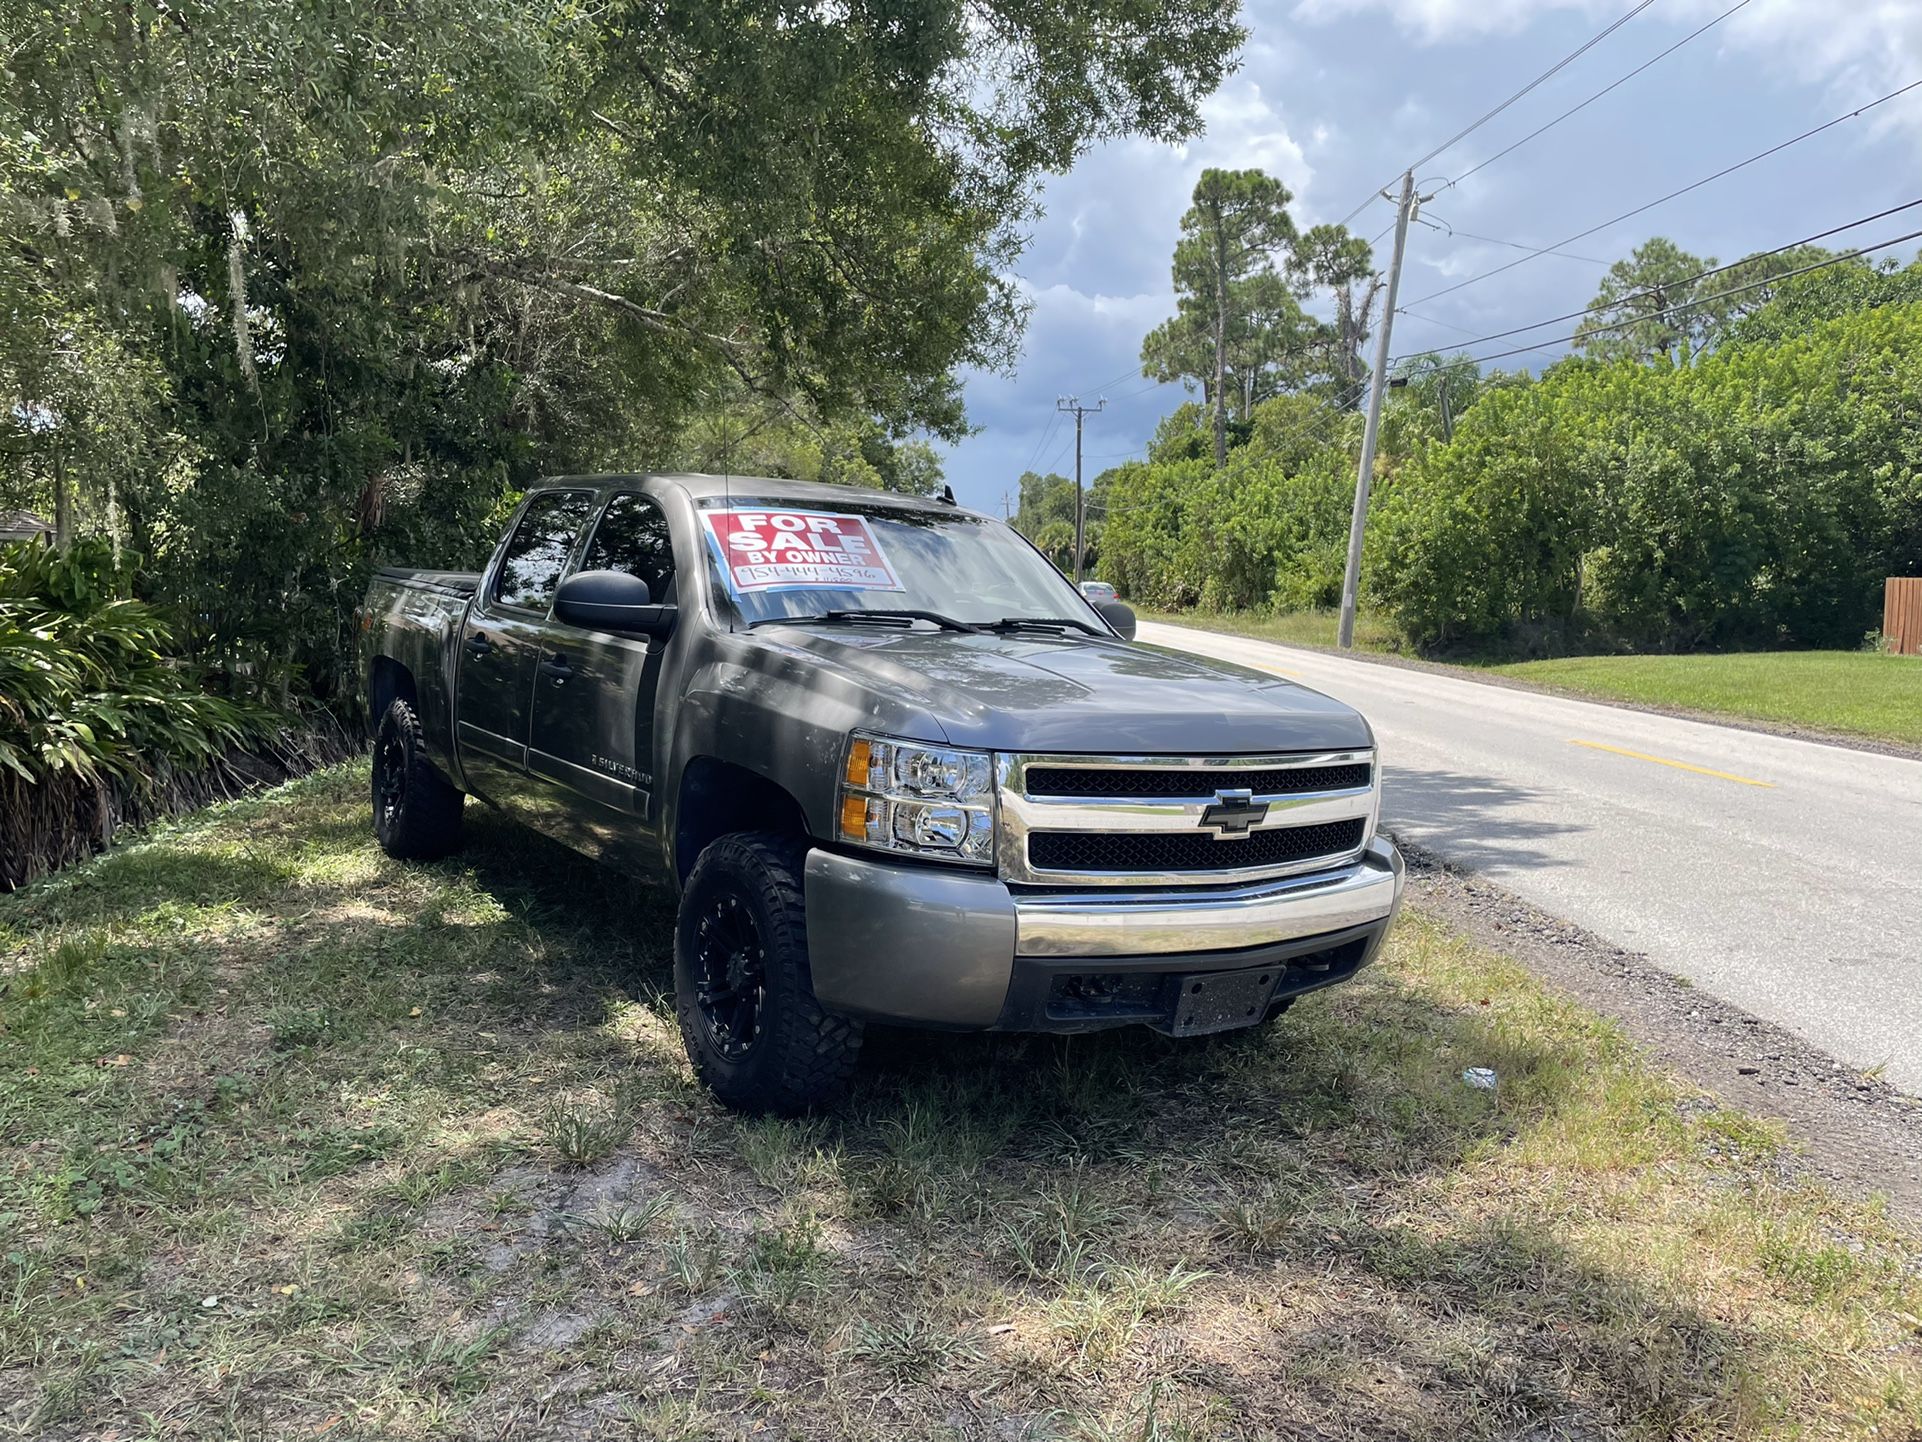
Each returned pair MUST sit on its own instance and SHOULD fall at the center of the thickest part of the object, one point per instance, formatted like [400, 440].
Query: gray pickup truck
[898, 769]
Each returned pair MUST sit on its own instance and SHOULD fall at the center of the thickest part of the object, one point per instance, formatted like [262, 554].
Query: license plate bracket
[1222, 1000]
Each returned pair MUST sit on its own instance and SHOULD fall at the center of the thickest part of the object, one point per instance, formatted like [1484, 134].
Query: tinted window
[538, 552]
[632, 538]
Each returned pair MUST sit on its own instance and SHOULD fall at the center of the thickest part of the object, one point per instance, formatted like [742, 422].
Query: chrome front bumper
[1150, 922]
[939, 946]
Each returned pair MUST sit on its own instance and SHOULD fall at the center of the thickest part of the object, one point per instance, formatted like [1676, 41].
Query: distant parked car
[1099, 591]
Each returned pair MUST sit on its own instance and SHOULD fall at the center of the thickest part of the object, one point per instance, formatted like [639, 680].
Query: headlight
[933, 801]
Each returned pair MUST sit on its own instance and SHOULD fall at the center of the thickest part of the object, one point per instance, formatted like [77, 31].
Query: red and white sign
[770, 550]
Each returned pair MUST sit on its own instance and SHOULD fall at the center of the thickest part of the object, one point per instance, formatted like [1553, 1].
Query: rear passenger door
[500, 642]
[596, 701]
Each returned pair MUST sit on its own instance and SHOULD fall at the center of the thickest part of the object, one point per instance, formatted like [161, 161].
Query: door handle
[556, 668]
[479, 644]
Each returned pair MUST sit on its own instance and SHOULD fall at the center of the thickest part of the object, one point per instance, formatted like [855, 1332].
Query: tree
[1799, 303]
[1645, 307]
[354, 275]
[1042, 501]
[757, 436]
[1269, 338]
[1329, 258]
[1440, 387]
[1237, 222]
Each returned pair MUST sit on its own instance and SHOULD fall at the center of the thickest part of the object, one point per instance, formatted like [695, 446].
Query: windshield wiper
[881, 617]
[1041, 623]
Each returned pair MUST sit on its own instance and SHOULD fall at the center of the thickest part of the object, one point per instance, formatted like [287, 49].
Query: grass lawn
[1290, 628]
[1857, 693]
[297, 1141]
[1850, 693]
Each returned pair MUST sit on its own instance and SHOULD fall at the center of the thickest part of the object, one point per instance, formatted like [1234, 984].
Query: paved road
[1782, 875]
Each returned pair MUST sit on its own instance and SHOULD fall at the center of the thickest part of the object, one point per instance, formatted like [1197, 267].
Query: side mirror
[611, 601]
[1118, 614]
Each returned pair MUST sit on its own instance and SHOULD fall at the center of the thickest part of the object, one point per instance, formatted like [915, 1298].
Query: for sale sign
[772, 550]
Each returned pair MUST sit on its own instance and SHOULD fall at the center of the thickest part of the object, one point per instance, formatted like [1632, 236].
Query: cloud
[1853, 50]
[1437, 21]
[1096, 275]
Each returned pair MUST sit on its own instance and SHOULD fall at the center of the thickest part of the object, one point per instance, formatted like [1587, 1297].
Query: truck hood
[1026, 692]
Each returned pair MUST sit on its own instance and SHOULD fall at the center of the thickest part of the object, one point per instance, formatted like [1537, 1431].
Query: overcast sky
[1335, 97]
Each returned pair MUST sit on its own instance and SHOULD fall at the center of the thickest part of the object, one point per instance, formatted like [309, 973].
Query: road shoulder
[1856, 1132]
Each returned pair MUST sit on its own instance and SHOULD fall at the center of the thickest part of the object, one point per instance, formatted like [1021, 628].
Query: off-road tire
[417, 815]
[800, 1057]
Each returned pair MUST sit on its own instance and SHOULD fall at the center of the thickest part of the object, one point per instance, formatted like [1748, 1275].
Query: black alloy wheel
[743, 984]
[731, 961]
[417, 813]
[391, 764]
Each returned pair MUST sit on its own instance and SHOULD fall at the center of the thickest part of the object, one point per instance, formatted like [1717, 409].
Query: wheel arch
[716, 798]
[388, 681]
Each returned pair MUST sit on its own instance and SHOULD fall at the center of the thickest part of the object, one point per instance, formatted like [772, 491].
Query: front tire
[417, 815]
[742, 986]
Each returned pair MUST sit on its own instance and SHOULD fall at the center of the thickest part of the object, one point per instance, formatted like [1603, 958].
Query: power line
[1552, 70]
[1701, 276]
[1462, 330]
[1575, 109]
[1129, 374]
[1672, 195]
[1454, 234]
[1054, 419]
[1143, 390]
[1690, 304]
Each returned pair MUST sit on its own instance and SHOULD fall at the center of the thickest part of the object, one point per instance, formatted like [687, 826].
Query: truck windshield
[771, 559]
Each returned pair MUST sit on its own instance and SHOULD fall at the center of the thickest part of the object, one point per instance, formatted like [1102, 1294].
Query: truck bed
[419, 578]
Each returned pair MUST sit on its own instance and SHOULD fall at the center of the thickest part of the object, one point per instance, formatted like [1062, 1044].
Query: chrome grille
[1265, 781]
[1197, 851]
[1089, 821]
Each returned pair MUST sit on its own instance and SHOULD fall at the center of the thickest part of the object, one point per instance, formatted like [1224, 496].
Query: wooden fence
[1902, 615]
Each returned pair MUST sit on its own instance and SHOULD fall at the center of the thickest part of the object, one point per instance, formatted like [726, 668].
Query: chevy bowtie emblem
[1234, 814]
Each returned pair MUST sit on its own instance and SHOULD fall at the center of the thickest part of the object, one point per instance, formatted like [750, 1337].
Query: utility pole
[1007, 505]
[1365, 473]
[1071, 405]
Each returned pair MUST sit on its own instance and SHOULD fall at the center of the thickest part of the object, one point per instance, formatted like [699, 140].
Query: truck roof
[705, 487]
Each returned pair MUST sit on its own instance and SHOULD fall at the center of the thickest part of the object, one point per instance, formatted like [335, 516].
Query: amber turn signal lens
[854, 815]
[860, 757]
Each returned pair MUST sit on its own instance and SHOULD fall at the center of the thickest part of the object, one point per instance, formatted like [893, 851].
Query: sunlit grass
[1847, 693]
[1855, 693]
[295, 1141]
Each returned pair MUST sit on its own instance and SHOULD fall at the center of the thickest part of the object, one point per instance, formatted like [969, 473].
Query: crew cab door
[500, 642]
[591, 751]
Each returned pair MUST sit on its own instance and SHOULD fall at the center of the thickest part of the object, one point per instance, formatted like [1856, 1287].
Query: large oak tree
[292, 284]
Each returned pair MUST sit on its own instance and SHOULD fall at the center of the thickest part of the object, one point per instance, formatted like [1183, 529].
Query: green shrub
[1756, 498]
[88, 687]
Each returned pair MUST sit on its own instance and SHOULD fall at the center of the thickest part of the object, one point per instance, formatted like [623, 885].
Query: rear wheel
[417, 815]
[743, 990]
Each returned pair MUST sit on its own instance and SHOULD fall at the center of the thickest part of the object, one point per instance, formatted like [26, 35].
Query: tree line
[1726, 459]
[293, 289]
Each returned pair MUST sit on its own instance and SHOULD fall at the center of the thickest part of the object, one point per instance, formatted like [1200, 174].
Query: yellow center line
[1292, 675]
[1664, 761]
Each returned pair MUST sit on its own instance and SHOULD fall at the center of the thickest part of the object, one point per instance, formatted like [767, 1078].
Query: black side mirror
[611, 601]
[1118, 614]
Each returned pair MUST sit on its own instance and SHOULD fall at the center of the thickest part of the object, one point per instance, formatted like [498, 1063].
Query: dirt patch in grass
[298, 1141]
